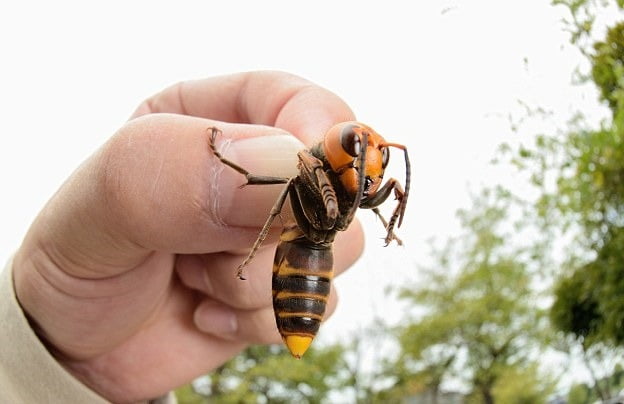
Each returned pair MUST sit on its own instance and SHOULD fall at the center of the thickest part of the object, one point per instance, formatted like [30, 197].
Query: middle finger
[215, 274]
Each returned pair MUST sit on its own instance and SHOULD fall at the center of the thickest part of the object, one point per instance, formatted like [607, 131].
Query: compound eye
[385, 157]
[350, 142]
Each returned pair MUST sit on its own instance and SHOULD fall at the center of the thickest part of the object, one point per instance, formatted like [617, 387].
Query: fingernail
[273, 155]
[216, 319]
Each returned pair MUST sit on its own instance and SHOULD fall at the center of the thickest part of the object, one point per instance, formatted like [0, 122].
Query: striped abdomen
[302, 273]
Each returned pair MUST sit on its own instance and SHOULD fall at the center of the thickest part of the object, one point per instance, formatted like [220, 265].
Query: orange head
[342, 146]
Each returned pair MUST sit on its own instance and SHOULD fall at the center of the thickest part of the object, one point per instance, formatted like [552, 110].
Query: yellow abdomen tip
[297, 344]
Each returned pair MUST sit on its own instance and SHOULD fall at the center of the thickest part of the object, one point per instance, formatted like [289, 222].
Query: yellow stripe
[288, 270]
[286, 295]
[290, 234]
[300, 314]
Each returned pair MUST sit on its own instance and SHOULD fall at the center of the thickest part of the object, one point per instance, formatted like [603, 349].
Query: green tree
[582, 17]
[608, 70]
[263, 374]
[581, 393]
[589, 303]
[478, 319]
[370, 365]
[580, 174]
[610, 385]
[588, 200]
[523, 385]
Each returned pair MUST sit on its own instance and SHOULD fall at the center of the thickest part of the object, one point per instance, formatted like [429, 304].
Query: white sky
[438, 76]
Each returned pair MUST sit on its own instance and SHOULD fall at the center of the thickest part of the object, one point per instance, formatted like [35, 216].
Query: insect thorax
[345, 201]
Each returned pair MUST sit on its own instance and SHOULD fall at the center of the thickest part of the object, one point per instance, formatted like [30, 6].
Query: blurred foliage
[525, 385]
[264, 374]
[588, 199]
[188, 395]
[579, 173]
[582, 18]
[589, 303]
[608, 70]
[581, 393]
[481, 320]
[575, 309]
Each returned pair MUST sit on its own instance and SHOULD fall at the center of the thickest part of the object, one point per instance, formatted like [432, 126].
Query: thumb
[157, 186]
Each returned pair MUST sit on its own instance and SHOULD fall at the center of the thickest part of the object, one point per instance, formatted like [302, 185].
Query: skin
[128, 273]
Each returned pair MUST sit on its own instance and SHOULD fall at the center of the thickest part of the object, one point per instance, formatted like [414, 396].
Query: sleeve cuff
[28, 373]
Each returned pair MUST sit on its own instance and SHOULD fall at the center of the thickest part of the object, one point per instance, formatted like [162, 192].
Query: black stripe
[309, 256]
[299, 305]
[297, 325]
[301, 284]
[303, 275]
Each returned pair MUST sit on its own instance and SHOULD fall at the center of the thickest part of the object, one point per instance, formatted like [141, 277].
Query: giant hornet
[336, 177]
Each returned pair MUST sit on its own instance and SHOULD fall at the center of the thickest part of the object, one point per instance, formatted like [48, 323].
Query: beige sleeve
[28, 373]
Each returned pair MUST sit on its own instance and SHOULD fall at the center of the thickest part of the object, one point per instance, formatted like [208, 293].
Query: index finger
[268, 98]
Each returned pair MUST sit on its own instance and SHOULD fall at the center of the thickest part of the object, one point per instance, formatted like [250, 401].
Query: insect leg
[385, 224]
[275, 210]
[407, 178]
[320, 192]
[252, 179]
[382, 194]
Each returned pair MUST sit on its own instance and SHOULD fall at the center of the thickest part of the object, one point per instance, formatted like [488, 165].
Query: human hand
[129, 272]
